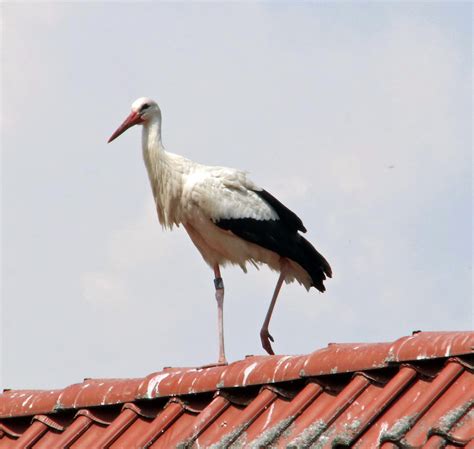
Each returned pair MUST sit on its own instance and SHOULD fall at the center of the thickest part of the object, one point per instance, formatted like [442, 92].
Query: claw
[265, 338]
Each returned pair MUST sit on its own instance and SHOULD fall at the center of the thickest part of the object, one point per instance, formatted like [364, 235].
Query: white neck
[164, 173]
[151, 133]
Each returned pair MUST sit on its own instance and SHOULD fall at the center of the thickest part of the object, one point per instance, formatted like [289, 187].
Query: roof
[417, 391]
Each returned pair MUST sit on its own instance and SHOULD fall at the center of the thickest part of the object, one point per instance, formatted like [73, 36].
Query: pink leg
[265, 336]
[219, 284]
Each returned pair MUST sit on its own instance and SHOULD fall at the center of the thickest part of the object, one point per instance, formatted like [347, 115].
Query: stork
[230, 219]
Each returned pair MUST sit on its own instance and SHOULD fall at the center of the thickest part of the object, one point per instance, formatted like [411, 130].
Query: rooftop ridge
[253, 370]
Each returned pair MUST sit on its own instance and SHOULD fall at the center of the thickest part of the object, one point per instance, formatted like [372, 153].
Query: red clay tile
[463, 431]
[132, 434]
[412, 392]
[228, 434]
[205, 419]
[417, 400]
[161, 423]
[322, 413]
[117, 427]
[98, 392]
[170, 438]
[427, 345]
[32, 435]
[27, 402]
[405, 413]
[14, 427]
[280, 415]
[74, 431]
[8, 443]
[365, 409]
[445, 412]
[435, 442]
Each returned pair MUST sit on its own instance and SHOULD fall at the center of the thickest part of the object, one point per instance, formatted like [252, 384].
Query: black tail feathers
[313, 262]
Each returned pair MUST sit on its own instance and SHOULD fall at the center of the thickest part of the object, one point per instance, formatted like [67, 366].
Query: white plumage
[221, 209]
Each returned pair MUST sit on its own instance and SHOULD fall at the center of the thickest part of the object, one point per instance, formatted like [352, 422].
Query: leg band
[218, 283]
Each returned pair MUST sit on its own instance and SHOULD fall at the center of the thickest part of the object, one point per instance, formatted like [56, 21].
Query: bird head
[143, 110]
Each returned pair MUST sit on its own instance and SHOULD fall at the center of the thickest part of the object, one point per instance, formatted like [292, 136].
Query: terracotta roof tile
[204, 420]
[123, 421]
[415, 392]
[445, 413]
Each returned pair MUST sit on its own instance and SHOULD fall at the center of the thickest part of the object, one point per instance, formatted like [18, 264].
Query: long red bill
[133, 119]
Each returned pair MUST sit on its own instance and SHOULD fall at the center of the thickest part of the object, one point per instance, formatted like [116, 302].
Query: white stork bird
[228, 217]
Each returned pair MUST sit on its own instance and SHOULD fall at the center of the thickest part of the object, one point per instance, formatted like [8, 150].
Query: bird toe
[265, 338]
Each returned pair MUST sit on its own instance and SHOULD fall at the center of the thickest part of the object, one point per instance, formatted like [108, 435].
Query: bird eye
[145, 106]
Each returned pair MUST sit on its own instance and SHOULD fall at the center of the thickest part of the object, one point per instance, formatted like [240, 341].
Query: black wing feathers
[282, 237]
[286, 215]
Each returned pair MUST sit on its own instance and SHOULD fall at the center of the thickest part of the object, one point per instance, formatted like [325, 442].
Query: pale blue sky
[358, 117]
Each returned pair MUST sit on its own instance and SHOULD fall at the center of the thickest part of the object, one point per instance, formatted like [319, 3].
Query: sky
[356, 116]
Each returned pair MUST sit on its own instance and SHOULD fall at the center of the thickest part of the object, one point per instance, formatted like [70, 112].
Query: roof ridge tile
[255, 370]
[347, 394]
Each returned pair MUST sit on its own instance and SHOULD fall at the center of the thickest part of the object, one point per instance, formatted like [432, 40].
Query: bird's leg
[219, 284]
[265, 336]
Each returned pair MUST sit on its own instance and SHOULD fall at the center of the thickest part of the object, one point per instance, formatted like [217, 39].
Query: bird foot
[212, 365]
[265, 338]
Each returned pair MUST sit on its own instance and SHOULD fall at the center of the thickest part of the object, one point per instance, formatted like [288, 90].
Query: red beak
[133, 119]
